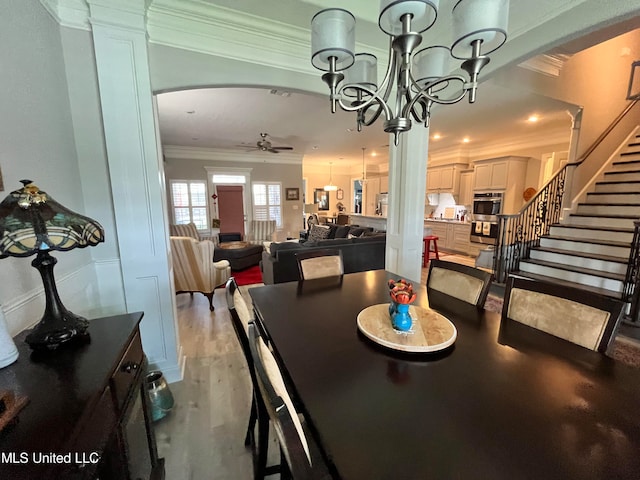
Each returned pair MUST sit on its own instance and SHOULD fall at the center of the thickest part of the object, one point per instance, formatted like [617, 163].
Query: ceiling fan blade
[272, 150]
[282, 148]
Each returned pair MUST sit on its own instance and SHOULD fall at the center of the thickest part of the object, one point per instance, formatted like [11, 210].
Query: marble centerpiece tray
[430, 332]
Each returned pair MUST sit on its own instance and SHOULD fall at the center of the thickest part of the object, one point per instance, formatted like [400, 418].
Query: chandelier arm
[374, 96]
[375, 117]
[424, 93]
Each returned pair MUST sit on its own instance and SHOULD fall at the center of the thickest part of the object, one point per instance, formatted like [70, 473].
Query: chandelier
[331, 187]
[421, 78]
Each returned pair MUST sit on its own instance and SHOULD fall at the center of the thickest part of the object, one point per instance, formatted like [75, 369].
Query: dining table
[503, 401]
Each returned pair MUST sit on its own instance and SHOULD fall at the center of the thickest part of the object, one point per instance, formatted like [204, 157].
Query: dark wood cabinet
[88, 412]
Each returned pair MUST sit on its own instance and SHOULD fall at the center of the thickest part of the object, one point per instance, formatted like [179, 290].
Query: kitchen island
[377, 222]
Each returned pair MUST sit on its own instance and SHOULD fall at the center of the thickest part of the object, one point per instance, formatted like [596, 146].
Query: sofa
[362, 252]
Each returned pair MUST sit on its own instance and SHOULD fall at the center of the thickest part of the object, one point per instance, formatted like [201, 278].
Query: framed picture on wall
[340, 194]
[321, 198]
[292, 193]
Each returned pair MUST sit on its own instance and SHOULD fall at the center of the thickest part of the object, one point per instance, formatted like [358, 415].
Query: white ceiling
[235, 117]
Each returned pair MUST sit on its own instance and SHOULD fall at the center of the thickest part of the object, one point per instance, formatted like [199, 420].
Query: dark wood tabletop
[500, 404]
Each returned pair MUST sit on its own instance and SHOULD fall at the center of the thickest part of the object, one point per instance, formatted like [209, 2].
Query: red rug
[248, 276]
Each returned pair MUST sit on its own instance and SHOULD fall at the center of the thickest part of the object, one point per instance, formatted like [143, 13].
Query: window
[267, 202]
[189, 202]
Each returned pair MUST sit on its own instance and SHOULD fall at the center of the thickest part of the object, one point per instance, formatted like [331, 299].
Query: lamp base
[58, 325]
[52, 333]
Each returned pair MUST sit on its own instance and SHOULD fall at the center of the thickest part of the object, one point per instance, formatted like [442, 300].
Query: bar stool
[426, 254]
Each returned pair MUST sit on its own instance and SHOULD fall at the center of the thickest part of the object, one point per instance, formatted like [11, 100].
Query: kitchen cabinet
[452, 236]
[444, 178]
[506, 174]
[465, 196]
[384, 184]
[370, 190]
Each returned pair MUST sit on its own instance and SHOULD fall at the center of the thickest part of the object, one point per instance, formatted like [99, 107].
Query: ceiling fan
[265, 145]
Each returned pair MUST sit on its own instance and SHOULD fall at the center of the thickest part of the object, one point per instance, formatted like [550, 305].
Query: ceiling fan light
[333, 34]
[484, 20]
[423, 15]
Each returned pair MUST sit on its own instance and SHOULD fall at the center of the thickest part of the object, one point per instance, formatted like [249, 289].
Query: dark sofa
[358, 255]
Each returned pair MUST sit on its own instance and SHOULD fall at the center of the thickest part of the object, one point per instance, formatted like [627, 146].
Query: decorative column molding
[567, 198]
[407, 188]
[120, 44]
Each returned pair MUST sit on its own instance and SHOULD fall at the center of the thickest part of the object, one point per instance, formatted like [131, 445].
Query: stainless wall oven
[484, 227]
[486, 206]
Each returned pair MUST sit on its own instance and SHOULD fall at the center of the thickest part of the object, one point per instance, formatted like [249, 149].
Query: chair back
[279, 407]
[190, 269]
[184, 230]
[320, 263]
[343, 219]
[262, 230]
[240, 317]
[460, 281]
[312, 220]
[584, 318]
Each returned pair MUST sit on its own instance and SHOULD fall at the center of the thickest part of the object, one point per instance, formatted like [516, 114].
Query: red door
[231, 209]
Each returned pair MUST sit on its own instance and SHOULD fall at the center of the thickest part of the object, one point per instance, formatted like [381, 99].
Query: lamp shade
[484, 20]
[310, 208]
[423, 15]
[430, 63]
[333, 34]
[363, 72]
[31, 221]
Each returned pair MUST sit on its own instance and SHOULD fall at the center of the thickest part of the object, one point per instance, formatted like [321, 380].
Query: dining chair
[460, 281]
[241, 318]
[320, 263]
[300, 458]
[584, 318]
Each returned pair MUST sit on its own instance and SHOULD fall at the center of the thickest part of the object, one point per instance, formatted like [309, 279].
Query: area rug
[248, 276]
[623, 350]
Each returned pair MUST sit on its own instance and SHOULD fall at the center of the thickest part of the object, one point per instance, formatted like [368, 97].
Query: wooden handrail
[604, 134]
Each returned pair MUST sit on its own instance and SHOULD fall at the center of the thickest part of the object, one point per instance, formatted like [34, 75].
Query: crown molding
[203, 27]
[500, 147]
[69, 13]
[227, 155]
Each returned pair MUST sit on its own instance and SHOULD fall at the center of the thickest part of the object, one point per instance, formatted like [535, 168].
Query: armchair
[261, 231]
[194, 269]
[188, 230]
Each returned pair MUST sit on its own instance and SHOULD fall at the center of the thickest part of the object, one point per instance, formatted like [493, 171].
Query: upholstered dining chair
[584, 318]
[320, 263]
[194, 269]
[460, 281]
[300, 458]
[241, 318]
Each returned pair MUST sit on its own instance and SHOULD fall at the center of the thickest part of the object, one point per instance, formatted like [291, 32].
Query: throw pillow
[319, 232]
[356, 232]
[342, 231]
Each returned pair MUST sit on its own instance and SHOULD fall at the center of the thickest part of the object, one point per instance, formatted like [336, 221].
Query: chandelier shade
[333, 36]
[423, 15]
[474, 21]
[330, 187]
[414, 77]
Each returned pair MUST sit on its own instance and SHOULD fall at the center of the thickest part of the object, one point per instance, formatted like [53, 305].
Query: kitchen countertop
[437, 220]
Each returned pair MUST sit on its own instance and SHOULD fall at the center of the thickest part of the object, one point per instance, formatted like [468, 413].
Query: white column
[407, 187]
[567, 198]
[120, 44]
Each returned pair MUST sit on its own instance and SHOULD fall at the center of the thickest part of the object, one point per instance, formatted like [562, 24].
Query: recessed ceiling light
[533, 118]
[466, 140]
[315, 147]
[374, 154]
[195, 138]
[349, 130]
[436, 136]
[280, 93]
[191, 112]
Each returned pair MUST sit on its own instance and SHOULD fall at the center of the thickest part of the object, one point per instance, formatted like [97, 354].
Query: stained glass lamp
[31, 222]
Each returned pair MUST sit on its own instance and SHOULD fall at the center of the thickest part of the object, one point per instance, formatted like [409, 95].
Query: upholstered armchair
[188, 230]
[194, 269]
[261, 231]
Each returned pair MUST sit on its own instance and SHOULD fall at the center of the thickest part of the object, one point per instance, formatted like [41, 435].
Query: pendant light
[331, 187]
[364, 170]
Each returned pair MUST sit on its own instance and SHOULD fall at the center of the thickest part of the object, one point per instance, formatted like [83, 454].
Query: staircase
[591, 247]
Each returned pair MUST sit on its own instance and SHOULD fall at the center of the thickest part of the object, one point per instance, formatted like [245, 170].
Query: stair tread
[600, 215]
[630, 192]
[629, 153]
[625, 162]
[593, 256]
[620, 172]
[617, 182]
[573, 268]
[610, 243]
[610, 204]
[595, 227]
[588, 288]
